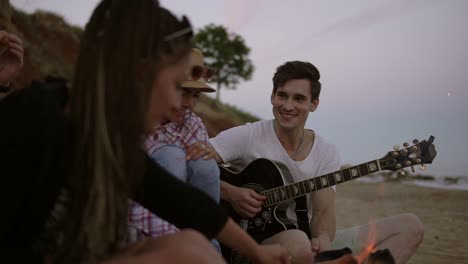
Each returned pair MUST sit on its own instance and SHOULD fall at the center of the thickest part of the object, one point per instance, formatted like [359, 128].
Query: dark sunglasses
[202, 72]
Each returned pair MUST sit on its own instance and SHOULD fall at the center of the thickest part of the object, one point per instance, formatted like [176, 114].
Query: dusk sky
[392, 70]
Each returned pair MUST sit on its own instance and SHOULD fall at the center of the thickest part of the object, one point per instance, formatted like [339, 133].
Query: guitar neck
[298, 189]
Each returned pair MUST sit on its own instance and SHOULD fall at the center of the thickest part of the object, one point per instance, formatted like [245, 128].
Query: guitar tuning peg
[395, 154]
[406, 144]
[402, 172]
[407, 163]
[398, 166]
[418, 161]
[396, 147]
[423, 167]
[415, 141]
[404, 152]
[414, 148]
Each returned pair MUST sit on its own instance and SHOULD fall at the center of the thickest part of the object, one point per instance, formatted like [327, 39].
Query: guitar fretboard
[298, 189]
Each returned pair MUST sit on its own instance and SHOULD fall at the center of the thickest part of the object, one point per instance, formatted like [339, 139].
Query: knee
[207, 168]
[295, 241]
[414, 227]
[297, 235]
[197, 248]
[189, 246]
[168, 152]
[173, 159]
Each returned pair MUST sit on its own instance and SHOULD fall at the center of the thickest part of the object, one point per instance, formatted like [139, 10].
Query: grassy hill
[51, 47]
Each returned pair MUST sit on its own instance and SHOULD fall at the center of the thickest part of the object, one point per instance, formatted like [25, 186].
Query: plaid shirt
[141, 221]
[182, 134]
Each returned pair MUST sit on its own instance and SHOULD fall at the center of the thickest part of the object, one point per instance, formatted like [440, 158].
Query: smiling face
[292, 104]
[189, 100]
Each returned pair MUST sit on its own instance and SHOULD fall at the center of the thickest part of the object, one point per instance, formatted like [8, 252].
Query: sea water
[440, 182]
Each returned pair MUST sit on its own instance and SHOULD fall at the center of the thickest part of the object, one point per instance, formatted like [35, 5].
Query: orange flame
[370, 243]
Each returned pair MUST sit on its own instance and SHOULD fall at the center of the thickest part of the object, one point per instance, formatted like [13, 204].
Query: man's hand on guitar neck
[246, 202]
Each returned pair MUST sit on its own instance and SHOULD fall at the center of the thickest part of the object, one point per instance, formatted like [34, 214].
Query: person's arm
[198, 145]
[187, 207]
[11, 59]
[246, 202]
[179, 203]
[34, 135]
[202, 149]
[231, 145]
[234, 237]
[323, 222]
[186, 246]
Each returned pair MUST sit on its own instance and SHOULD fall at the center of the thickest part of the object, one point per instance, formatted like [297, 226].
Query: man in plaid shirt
[181, 147]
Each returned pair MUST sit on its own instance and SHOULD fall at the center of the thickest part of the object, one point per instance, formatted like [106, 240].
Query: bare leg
[401, 234]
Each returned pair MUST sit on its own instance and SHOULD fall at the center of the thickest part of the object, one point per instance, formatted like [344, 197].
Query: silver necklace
[298, 150]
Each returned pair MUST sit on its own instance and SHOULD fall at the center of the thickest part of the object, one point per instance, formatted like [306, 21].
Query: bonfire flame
[370, 243]
[369, 255]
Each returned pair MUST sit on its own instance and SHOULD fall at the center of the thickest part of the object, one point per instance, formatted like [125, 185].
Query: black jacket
[35, 137]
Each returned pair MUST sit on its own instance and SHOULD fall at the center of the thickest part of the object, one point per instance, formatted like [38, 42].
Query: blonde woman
[133, 57]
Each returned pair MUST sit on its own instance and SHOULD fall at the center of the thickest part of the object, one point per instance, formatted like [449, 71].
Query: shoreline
[446, 183]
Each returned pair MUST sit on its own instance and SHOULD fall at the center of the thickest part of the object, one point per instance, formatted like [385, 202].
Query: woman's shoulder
[35, 110]
[34, 137]
[52, 91]
[39, 96]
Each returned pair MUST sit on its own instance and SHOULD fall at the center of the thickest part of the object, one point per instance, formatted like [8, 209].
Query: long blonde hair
[109, 102]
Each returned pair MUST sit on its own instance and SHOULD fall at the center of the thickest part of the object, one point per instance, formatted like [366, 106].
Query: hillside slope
[51, 47]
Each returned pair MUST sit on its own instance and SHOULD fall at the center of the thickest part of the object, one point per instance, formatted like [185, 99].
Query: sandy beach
[444, 214]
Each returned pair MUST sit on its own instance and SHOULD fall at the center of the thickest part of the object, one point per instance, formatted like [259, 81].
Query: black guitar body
[266, 177]
[260, 175]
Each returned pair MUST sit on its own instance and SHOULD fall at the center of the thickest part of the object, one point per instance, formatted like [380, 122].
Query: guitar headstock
[420, 153]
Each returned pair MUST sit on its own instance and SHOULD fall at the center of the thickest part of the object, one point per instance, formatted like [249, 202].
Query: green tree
[225, 52]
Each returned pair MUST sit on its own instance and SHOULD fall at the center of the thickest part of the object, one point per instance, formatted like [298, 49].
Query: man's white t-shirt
[241, 145]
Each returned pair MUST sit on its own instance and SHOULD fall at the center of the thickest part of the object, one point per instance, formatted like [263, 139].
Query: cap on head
[196, 60]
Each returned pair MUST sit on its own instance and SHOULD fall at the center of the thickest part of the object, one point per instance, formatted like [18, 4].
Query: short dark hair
[298, 70]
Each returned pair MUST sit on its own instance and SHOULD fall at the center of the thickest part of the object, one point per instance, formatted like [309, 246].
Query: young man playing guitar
[296, 90]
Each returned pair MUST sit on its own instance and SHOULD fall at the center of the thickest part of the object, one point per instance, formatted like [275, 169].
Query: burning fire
[370, 243]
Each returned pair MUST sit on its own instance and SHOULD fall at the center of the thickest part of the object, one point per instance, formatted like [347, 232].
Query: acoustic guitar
[266, 178]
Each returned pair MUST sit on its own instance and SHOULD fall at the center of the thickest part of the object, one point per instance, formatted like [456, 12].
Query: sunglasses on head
[202, 72]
